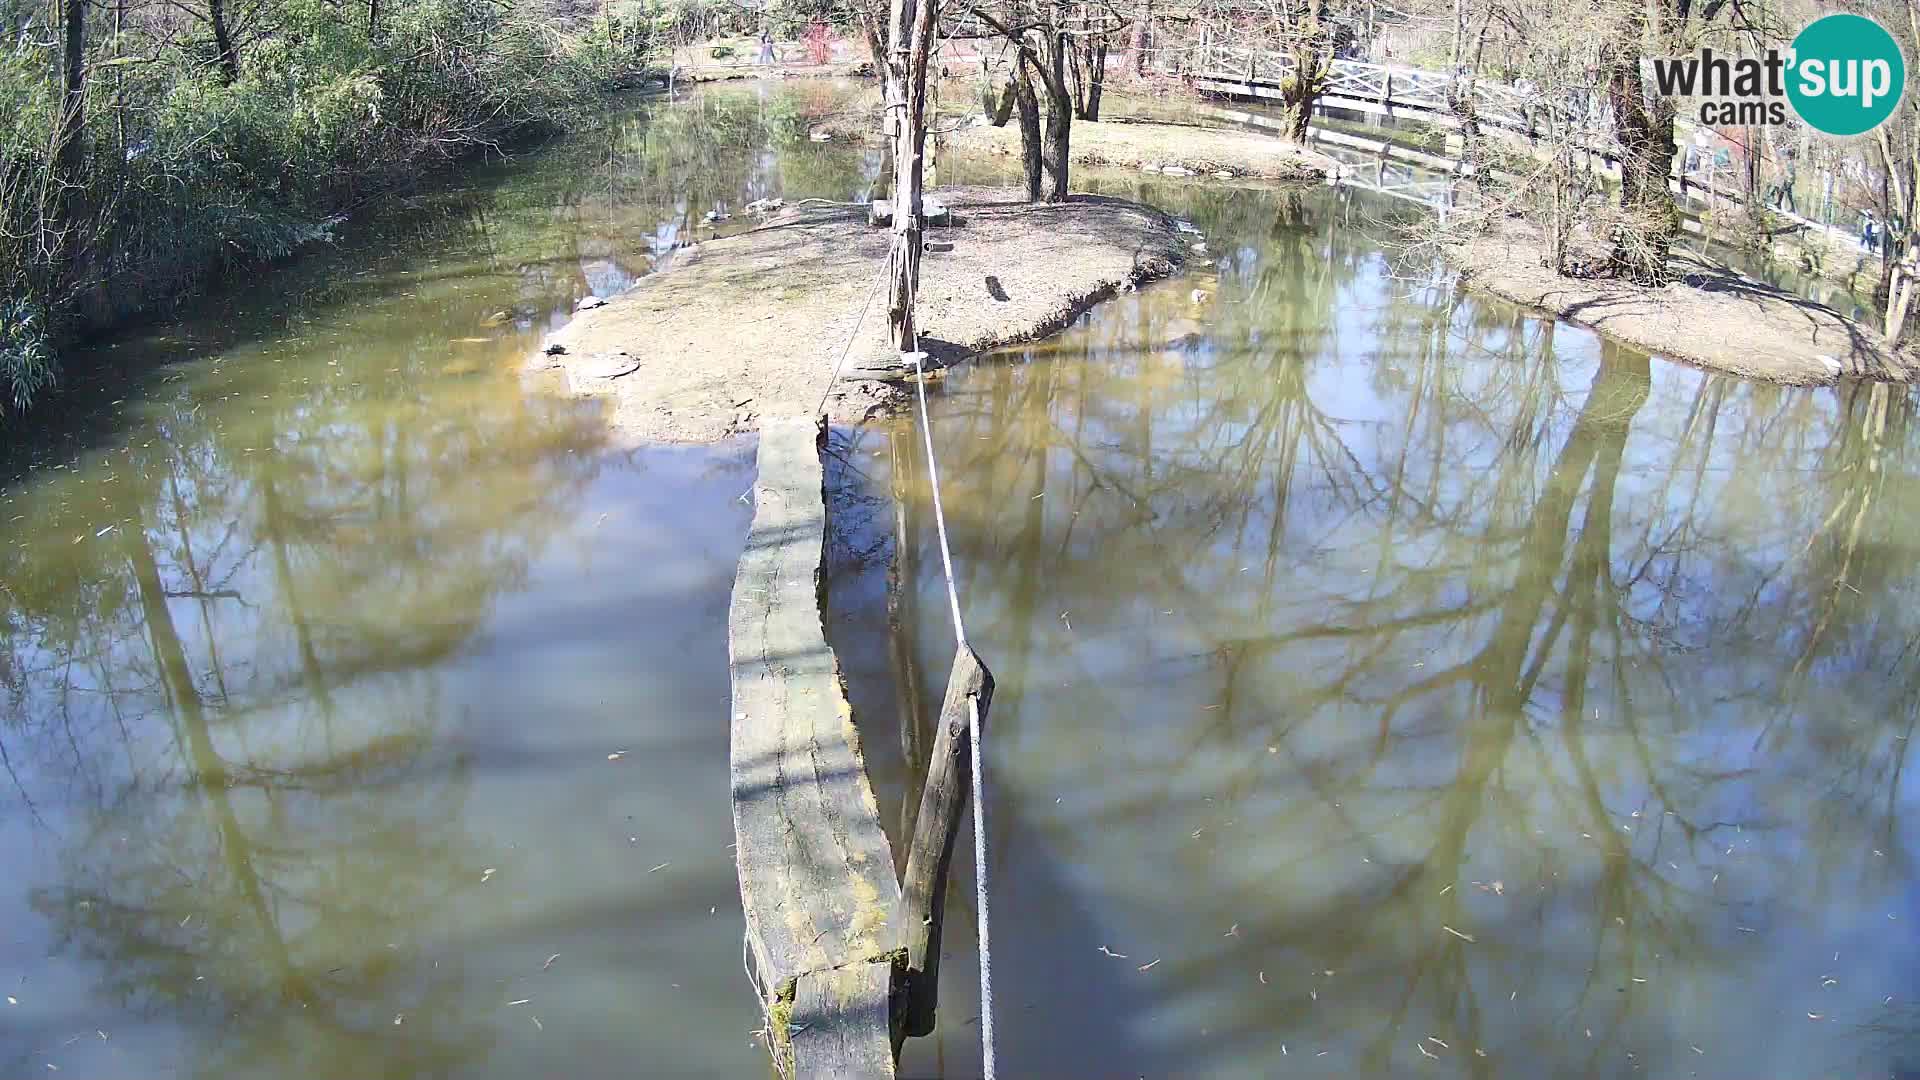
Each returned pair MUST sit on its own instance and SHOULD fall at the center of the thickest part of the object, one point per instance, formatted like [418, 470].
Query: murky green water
[1391, 682]
[1382, 673]
[363, 714]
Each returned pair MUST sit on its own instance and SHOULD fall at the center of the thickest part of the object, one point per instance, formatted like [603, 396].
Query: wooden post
[910, 39]
[924, 890]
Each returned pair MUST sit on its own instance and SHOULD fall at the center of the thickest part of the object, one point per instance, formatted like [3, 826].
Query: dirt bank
[1176, 149]
[1711, 317]
[739, 58]
[711, 73]
[754, 324]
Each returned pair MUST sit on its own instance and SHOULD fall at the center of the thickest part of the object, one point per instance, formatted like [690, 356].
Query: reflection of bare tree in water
[1480, 612]
[239, 674]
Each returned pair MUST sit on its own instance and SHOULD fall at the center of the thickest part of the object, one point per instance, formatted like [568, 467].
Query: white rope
[973, 709]
[851, 336]
[933, 480]
[980, 891]
[960, 636]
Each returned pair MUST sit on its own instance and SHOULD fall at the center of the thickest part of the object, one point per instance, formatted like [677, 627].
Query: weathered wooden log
[930, 854]
[816, 872]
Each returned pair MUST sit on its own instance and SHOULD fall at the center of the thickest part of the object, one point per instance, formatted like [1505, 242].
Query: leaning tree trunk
[1899, 300]
[1003, 105]
[1643, 126]
[999, 108]
[1029, 108]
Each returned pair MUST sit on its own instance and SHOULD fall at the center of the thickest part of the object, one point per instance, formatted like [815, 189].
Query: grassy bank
[169, 144]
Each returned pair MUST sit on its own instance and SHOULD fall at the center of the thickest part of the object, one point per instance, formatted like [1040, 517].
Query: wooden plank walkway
[816, 872]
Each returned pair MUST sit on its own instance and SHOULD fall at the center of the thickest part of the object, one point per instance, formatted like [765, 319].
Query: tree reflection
[222, 649]
[1402, 594]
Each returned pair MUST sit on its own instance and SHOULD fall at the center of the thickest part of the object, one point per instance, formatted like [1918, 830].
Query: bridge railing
[1386, 84]
[1530, 114]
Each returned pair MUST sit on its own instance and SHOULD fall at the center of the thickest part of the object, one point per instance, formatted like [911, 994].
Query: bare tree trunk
[1076, 84]
[1460, 89]
[1902, 177]
[60, 210]
[1644, 128]
[910, 39]
[1302, 88]
[1899, 297]
[223, 42]
[1059, 129]
[876, 41]
[1041, 52]
[1029, 105]
[1059, 112]
[1090, 71]
[70, 148]
[1137, 48]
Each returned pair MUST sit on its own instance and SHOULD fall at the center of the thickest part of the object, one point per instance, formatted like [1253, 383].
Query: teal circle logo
[1846, 74]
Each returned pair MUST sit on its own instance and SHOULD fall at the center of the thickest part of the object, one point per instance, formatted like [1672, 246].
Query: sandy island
[753, 325]
[1711, 317]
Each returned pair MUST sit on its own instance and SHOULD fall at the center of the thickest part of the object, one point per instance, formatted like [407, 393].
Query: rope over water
[973, 712]
[978, 793]
[852, 336]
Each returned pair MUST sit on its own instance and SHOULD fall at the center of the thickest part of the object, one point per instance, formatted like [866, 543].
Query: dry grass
[1132, 144]
[1202, 150]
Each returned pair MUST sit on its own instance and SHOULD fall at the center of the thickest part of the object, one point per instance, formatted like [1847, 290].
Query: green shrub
[27, 361]
[182, 176]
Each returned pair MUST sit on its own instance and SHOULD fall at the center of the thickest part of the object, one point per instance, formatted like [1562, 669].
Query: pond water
[1386, 677]
[364, 714]
[1390, 680]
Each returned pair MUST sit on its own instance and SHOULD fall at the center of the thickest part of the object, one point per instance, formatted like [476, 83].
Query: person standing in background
[1781, 196]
